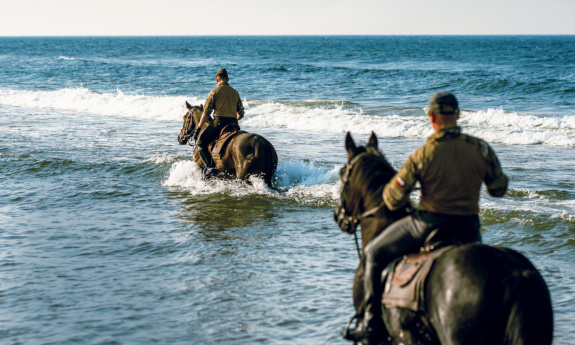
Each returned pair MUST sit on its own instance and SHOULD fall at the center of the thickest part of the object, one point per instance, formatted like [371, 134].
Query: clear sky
[286, 17]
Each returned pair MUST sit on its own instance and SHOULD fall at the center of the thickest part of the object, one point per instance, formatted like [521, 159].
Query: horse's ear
[188, 106]
[201, 107]
[349, 143]
[372, 141]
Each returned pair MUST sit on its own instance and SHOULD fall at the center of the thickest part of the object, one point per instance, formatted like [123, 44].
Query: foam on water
[304, 183]
[161, 108]
[493, 125]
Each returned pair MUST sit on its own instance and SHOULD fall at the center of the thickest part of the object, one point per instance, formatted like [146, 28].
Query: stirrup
[350, 334]
[210, 172]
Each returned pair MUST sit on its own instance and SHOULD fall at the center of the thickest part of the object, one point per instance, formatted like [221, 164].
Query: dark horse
[245, 155]
[474, 294]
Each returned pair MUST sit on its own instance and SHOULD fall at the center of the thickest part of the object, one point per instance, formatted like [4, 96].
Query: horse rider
[227, 106]
[450, 168]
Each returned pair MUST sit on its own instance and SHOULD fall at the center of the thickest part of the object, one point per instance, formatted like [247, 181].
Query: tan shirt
[450, 167]
[225, 101]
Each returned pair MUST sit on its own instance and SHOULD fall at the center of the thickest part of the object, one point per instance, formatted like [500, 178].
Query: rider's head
[443, 110]
[222, 75]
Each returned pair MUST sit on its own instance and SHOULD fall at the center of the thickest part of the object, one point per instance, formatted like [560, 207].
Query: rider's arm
[495, 180]
[240, 109]
[397, 190]
[208, 108]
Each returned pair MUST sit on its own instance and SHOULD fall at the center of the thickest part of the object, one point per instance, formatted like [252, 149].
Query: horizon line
[283, 35]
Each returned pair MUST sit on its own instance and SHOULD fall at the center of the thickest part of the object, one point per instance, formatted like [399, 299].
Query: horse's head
[362, 180]
[191, 119]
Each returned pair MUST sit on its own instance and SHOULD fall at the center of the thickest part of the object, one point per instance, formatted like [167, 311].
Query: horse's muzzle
[183, 139]
[345, 222]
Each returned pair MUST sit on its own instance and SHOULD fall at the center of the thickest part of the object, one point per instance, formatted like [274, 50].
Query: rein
[346, 221]
[189, 120]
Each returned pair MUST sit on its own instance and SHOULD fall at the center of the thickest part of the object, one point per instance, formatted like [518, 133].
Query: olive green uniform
[225, 100]
[450, 168]
[226, 104]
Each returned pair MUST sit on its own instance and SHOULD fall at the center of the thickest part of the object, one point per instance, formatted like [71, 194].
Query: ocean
[109, 234]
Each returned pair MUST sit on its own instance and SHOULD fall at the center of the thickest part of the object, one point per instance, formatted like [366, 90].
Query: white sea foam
[66, 58]
[161, 108]
[493, 125]
[298, 181]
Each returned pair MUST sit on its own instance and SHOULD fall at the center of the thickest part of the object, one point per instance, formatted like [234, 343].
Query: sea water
[109, 234]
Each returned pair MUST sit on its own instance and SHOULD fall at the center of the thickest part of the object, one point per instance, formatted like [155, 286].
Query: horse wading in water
[473, 293]
[244, 155]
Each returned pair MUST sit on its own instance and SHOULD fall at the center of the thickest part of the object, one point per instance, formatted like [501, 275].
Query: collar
[446, 133]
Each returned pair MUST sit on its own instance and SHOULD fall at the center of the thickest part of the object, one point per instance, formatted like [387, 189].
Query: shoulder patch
[479, 144]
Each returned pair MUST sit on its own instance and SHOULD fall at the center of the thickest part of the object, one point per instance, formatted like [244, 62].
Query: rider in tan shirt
[450, 167]
[227, 106]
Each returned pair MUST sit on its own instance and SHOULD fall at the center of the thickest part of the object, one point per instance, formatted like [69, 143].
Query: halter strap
[345, 180]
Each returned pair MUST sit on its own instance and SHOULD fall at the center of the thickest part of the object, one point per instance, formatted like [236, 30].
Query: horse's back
[489, 295]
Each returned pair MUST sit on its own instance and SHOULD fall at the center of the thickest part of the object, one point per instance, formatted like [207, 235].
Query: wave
[80, 99]
[493, 125]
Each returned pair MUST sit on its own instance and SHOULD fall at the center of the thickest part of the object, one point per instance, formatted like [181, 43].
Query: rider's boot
[370, 329]
[210, 169]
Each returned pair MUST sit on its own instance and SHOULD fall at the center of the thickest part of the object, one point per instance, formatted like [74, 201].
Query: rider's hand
[239, 117]
[195, 133]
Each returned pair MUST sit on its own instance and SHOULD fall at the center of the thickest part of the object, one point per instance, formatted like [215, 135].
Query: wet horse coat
[474, 294]
[245, 154]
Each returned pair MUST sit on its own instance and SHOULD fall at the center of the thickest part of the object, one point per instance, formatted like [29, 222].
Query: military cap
[222, 72]
[444, 103]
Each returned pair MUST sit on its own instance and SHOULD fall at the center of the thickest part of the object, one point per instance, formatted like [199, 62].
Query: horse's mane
[373, 171]
[374, 168]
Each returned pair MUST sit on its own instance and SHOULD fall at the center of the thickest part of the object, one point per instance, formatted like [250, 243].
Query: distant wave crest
[493, 125]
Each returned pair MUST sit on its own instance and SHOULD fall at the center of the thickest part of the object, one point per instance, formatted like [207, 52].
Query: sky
[286, 17]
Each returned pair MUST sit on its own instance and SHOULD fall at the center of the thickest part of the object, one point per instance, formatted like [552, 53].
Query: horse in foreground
[242, 155]
[472, 294]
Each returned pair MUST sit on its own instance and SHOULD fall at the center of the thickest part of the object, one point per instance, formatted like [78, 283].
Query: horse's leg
[196, 157]
[358, 293]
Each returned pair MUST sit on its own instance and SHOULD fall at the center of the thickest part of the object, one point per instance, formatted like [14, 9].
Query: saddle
[218, 146]
[405, 278]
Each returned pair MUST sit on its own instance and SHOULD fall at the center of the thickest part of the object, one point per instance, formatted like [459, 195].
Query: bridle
[188, 124]
[344, 218]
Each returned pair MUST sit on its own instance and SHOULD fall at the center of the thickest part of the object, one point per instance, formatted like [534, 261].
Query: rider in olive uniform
[450, 168]
[227, 106]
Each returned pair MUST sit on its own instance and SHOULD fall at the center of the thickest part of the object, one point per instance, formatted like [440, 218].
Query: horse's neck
[208, 122]
[371, 227]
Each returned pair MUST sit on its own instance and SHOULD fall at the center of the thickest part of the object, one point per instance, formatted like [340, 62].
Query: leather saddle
[405, 278]
[218, 146]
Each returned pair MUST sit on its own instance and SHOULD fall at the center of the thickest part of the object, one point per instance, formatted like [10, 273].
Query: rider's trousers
[212, 131]
[406, 236]
[208, 135]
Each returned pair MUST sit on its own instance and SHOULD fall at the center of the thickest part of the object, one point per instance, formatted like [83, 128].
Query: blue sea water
[108, 234]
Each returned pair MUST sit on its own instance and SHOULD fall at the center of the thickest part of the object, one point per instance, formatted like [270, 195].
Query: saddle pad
[218, 146]
[405, 288]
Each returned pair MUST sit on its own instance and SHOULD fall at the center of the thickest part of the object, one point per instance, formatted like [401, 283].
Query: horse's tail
[261, 159]
[270, 157]
[530, 318]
